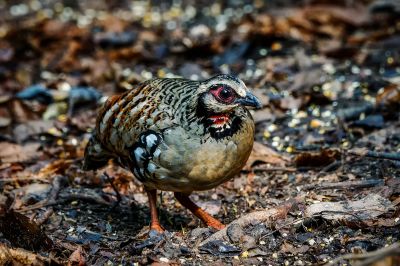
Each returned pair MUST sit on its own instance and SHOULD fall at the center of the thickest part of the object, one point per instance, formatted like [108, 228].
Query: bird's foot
[155, 230]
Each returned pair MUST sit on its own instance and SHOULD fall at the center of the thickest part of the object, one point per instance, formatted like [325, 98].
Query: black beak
[249, 100]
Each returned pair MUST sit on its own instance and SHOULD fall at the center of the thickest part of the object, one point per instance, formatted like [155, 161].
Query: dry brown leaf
[262, 153]
[389, 96]
[21, 113]
[77, 257]
[56, 167]
[19, 256]
[289, 248]
[366, 208]
[13, 153]
[24, 233]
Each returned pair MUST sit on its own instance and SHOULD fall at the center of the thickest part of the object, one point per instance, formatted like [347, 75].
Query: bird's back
[154, 105]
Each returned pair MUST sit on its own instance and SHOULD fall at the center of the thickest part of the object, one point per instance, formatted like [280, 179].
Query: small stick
[58, 183]
[380, 155]
[275, 169]
[346, 184]
[330, 166]
[119, 198]
[370, 257]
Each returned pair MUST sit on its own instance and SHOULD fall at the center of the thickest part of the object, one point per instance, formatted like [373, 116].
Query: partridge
[177, 135]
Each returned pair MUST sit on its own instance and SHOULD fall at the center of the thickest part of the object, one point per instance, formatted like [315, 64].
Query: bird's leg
[155, 223]
[200, 213]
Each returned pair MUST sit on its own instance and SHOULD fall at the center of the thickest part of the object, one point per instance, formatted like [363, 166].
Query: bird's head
[221, 104]
[223, 93]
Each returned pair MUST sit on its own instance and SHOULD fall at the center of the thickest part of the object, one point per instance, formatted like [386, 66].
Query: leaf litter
[321, 182]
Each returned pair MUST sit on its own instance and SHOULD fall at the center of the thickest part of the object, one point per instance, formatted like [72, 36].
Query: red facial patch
[219, 119]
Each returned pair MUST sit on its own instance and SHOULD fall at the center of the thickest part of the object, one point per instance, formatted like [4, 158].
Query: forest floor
[323, 180]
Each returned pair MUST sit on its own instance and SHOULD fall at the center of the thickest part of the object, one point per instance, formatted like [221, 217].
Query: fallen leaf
[19, 256]
[55, 167]
[13, 153]
[262, 153]
[30, 194]
[389, 97]
[366, 208]
[289, 248]
[26, 130]
[23, 233]
[219, 248]
[77, 257]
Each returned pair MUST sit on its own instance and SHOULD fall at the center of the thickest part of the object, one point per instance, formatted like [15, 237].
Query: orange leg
[200, 213]
[155, 223]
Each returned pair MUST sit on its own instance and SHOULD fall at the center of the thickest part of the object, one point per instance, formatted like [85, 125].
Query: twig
[369, 257]
[275, 169]
[330, 166]
[119, 198]
[354, 112]
[374, 154]
[346, 184]
[58, 183]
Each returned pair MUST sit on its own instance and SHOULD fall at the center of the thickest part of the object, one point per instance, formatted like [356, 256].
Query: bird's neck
[222, 125]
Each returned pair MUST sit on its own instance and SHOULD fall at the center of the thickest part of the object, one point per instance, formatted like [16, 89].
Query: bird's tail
[96, 156]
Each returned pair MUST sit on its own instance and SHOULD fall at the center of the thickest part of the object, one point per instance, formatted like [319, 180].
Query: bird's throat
[219, 119]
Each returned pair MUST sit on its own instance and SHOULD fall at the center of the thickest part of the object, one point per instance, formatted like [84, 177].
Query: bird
[177, 135]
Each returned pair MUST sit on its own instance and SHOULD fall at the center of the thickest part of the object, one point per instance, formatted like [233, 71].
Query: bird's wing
[124, 117]
[161, 162]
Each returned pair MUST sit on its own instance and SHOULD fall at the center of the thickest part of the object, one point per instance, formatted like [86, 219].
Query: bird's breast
[203, 163]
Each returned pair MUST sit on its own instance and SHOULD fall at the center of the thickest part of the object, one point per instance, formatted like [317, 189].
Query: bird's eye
[224, 94]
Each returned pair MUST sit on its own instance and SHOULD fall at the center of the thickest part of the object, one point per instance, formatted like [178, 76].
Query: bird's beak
[249, 100]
